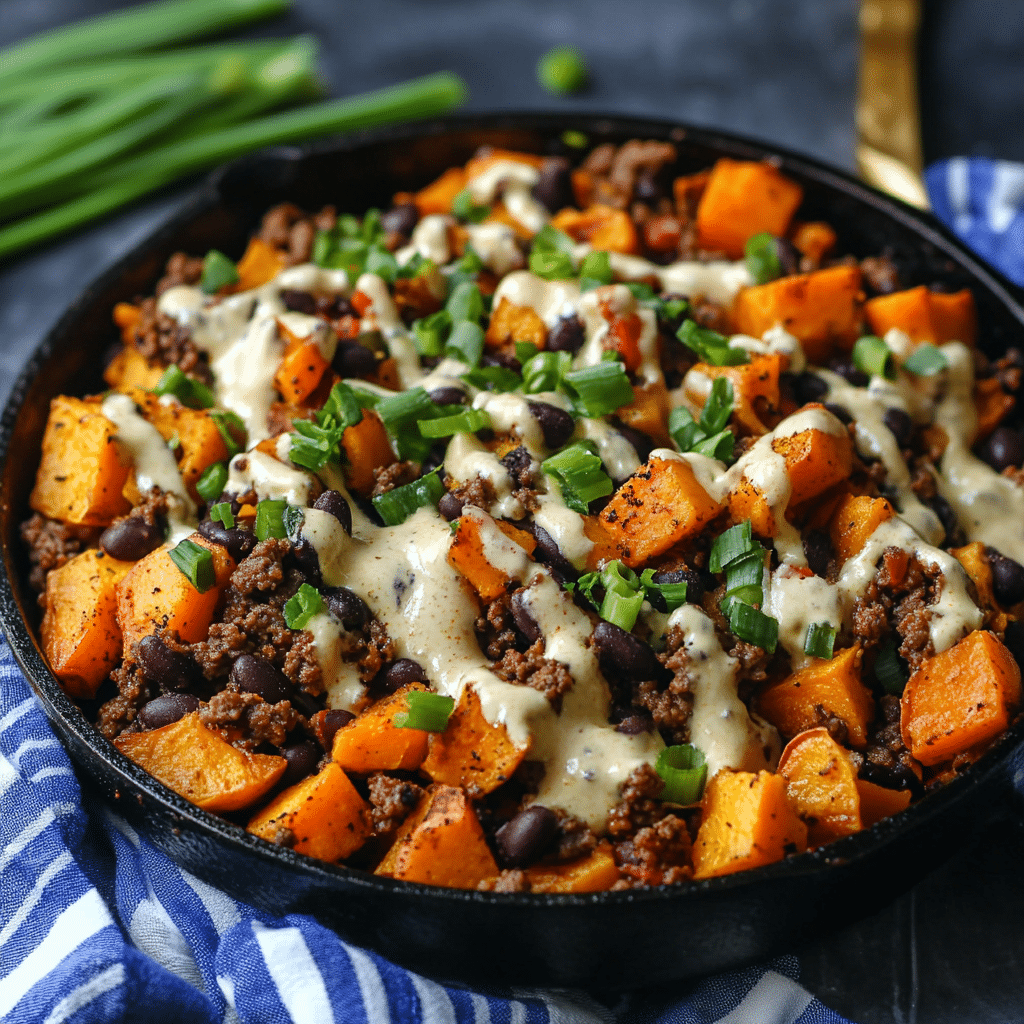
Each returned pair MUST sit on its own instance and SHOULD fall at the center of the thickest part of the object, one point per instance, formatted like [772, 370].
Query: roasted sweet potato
[302, 367]
[478, 164]
[993, 405]
[486, 555]
[367, 448]
[126, 316]
[648, 412]
[925, 315]
[130, 369]
[260, 263]
[200, 766]
[324, 813]
[596, 872]
[511, 323]
[373, 743]
[815, 239]
[747, 820]
[438, 195]
[959, 699]
[80, 634]
[755, 387]
[856, 519]
[604, 227]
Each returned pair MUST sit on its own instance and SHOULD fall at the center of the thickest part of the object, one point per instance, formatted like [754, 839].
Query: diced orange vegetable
[156, 594]
[130, 369]
[877, 802]
[648, 412]
[959, 699]
[822, 784]
[755, 387]
[525, 540]
[605, 549]
[302, 367]
[438, 195]
[385, 374]
[126, 316]
[441, 843]
[743, 198]
[687, 191]
[604, 227]
[83, 469]
[856, 519]
[367, 448]
[747, 821]
[624, 337]
[373, 743]
[597, 872]
[478, 164]
[821, 309]
[746, 502]
[926, 316]
[474, 534]
[833, 687]
[326, 815]
[472, 752]
[976, 565]
[815, 460]
[200, 766]
[511, 323]
[260, 263]
[815, 239]
[992, 404]
[80, 634]
[655, 508]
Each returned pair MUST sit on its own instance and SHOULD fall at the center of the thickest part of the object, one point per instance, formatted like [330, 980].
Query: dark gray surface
[782, 70]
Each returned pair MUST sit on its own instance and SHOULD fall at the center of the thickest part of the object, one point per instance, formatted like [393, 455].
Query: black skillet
[612, 940]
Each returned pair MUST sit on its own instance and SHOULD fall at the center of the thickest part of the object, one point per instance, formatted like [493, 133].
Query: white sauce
[513, 182]
[429, 239]
[796, 601]
[496, 246]
[268, 477]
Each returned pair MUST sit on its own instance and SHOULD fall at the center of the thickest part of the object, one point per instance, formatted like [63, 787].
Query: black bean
[556, 424]
[901, 425]
[942, 508]
[352, 360]
[567, 335]
[131, 539]
[518, 462]
[554, 186]
[505, 359]
[818, 551]
[306, 703]
[335, 503]
[435, 457]
[810, 388]
[299, 302]
[1014, 640]
[548, 553]
[169, 669]
[694, 586]
[1007, 577]
[635, 722]
[238, 542]
[309, 562]
[789, 256]
[166, 709]
[401, 218]
[347, 607]
[624, 655]
[334, 306]
[447, 396]
[302, 759]
[332, 722]
[254, 674]
[850, 373]
[527, 836]
[524, 620]
[450, 506]
[642, 444]
[401, 673]
[840, 412]
[1004, 447]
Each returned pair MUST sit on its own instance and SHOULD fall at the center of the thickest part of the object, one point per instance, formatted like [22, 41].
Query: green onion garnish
[580, 475]
[672, 594]
[493, 378]
[925, 360]
[470, 261]
[371, 230]
[575, 139]
[464, 208]
[550, 239]
[889, 670]
[734, 543]
[551, 264]
[465, 303]
[469, 421]
[708, 436]
[427, 711]
[401, 413]
[395, 506]
[744, 579]
[276, 518]
[228, 425]
[718, 407]
[382, 263]
[685, 770]
[316, 442]
[545, 371]
[465, 343]
[872, 356]
[430, 333]
[416, 265]
[302, 606]
[192, 393]
[211, 484]
[218, 272]
[525, 351]
[821, 637]
[754, 626]
[762, 258]
[720, 446]
[562, 70]
[599, 390]
[221, 513]
[196, 562]
[174, 441]
[710, 346]
[595, 270]
[621, 607]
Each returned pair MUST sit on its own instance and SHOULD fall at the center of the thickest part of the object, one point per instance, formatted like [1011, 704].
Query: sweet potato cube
[821, 309]
[83, 469]
[156, 595]
[126, 316]
[815, 460]
[605, 549]
[367, 448]
[741, 199]
[324, 812]
[477, 545]
[758, 379]
[596, 872]
[80, 634]
[130, 369]
[472, 752]
[260, 263]
[747, 821]
[926, 316]
[302, 367]
[747, 502]
[438, 195]
[604, 227]
[992, 403]
[441, 843]
[822, 784]
[815, 239]
[830, 687]
[959, 699]
[373, 743]
[976, 565]
[655, 508]
[648, 412]
[200, 766]
[878, 802]
[856, 519]
[511, 323]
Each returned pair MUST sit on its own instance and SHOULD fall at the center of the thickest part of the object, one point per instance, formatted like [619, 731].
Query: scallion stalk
[685, 770]
[427, 711]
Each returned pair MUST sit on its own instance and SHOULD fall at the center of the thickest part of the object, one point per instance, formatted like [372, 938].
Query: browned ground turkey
[247, 721]
[181, 269]
[291, 231]
[495, 628]
[886, 760]
[51, 544]
[479, 492]
[387, 478]
[509, 880]
[575, 838]
[670, 706]
[658, 854]
[640, 805]
[162, 340]
[531, 668]
[391, 801]
[116, 714]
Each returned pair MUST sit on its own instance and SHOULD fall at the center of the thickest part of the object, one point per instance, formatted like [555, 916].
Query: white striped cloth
[96, 925]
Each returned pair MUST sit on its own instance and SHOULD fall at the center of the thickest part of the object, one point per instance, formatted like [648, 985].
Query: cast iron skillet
[612, 940]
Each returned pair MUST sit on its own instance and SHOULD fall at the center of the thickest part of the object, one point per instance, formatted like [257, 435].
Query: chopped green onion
[562, 70]
[396, 505]
[221, 513]
[595, 270]
[545, 371]
[621, 607]
[685, 770]
[925, 360]
[872, 356]
[493, 378]
[752, 625]
[196, 562]
[551, 264]
[624, 593]
[710, 346]
[302, 606]
[734, 543]
[469, 261]
[672, 594]
[315, 443]
[211, 484]
[430, 333]
[720, 446]
[218, 272]
[744, 579]
[174, 441]
[821, 637]
[404, 408]
[575, 139]
[718, 407]
[641, 291]
[416, 265]
[192, 393]
[271, 518]
[427, 711]
[465, 303]
[469, 421]
[673, 309]
[599, 390]
[683, 429]
[525, 351]
[889, 670]
[580, 474]
[371, 230]
[226, 420]
[762, 258]
[550, 239]
[466, 342]
[382, 263]
[464, 208]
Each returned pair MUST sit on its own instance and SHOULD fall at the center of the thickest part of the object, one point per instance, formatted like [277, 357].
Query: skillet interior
[605, 940]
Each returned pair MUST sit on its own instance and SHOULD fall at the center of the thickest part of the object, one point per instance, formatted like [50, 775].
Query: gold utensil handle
[888, 120]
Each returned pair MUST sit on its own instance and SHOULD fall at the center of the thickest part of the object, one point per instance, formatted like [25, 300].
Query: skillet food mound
[558, 529]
